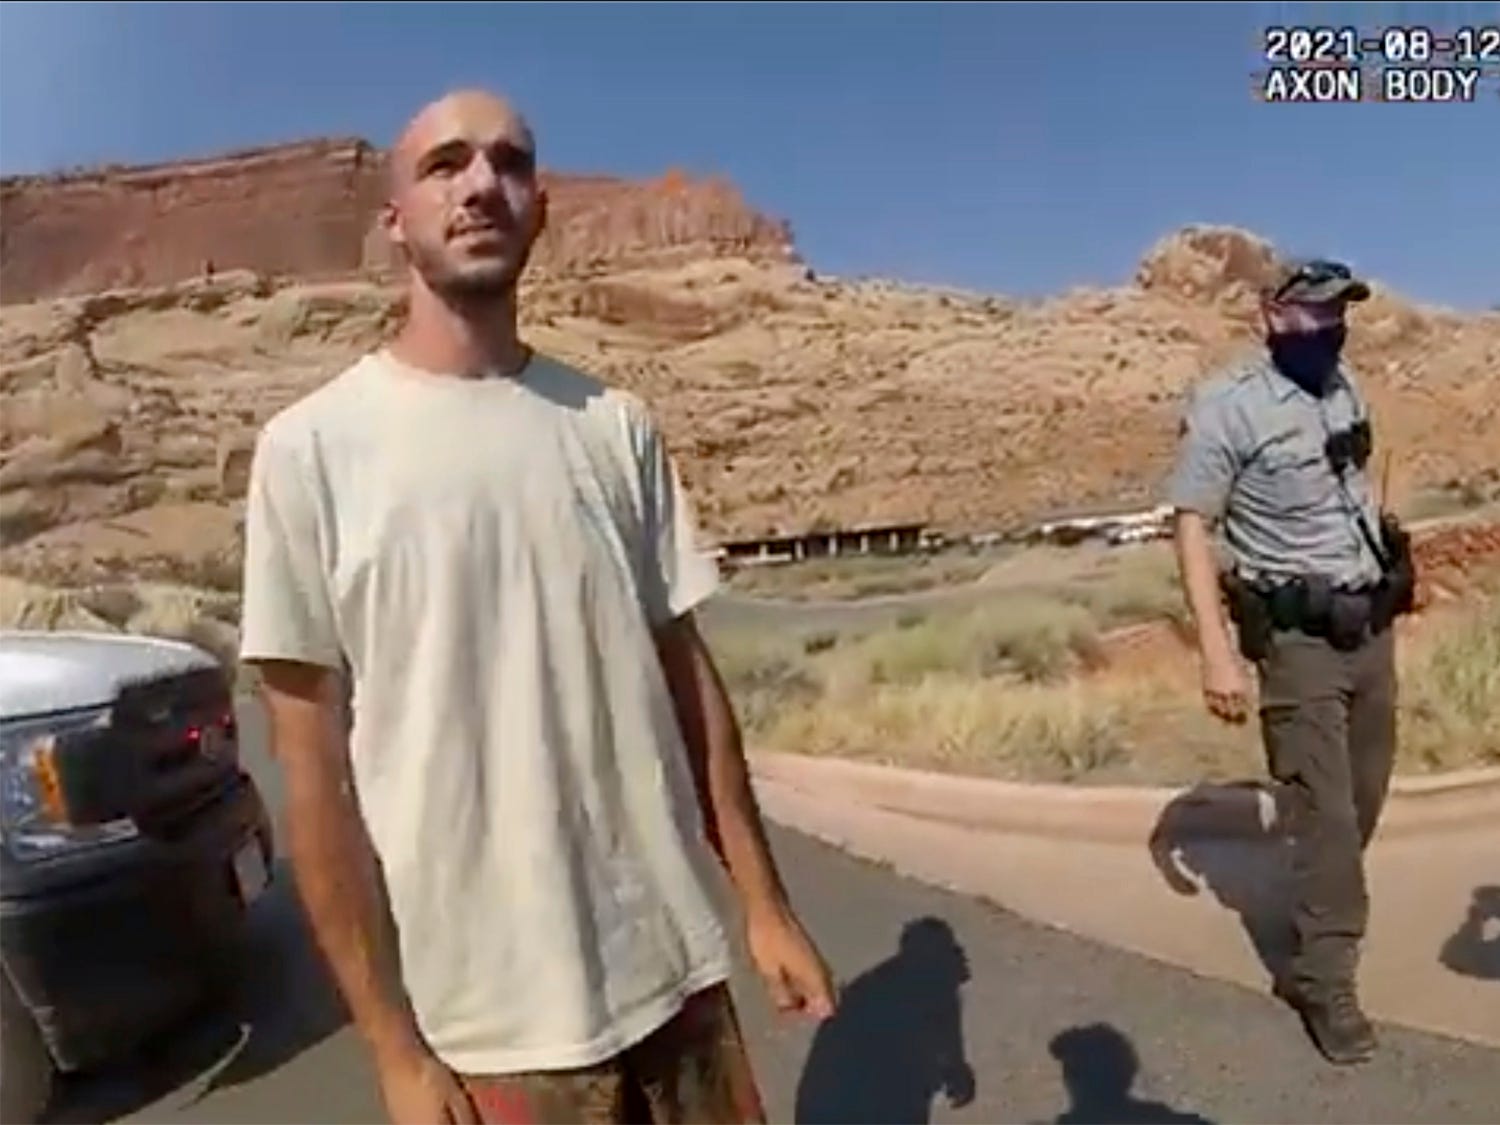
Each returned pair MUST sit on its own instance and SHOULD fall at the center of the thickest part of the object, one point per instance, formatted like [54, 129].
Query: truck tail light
[216, 738]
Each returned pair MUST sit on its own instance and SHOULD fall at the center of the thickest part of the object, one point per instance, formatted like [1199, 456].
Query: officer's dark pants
[1329, 725]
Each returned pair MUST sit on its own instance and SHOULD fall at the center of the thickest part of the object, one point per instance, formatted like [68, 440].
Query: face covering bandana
[1309, 359]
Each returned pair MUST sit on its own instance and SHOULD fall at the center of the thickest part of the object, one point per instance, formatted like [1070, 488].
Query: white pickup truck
[131, 841]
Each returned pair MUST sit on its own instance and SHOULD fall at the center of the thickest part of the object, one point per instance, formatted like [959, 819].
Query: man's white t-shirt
[486, 558]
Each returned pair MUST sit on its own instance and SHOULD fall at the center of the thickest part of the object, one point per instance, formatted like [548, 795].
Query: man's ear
[390, 224]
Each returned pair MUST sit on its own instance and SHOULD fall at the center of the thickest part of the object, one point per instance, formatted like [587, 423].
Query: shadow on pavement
[289, 1002]
[1474, 949]
[897, 1039]
[1246, 867]
[160, 1067]
[1099, 1066]
[283, 1005]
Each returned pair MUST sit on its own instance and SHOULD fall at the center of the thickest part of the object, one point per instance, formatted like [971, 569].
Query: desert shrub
[27, 606]
[1036, 638]
[1038, 732]
[1139, 585]
[814, 643]
[1449, 711]
[995, 691]
[1040, 638]
[763, 672]
[859, 576]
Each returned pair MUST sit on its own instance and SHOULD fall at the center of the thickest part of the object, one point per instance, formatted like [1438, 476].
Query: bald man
[520, 855]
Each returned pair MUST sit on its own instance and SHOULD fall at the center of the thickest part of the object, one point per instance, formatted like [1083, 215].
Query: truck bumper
[108, 950]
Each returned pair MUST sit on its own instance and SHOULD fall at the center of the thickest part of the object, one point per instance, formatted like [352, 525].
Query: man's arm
[716, 754]
[794, 971]
[289, 630]
[337, 874]
[675, 577]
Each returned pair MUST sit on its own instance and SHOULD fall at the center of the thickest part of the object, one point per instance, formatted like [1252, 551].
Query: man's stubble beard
[476, 287]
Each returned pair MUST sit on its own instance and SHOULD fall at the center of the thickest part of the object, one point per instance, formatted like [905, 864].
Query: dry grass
[1057, 732]
[990, 719]
[1116, 586]
[766, 673]
[1450, 694]
[996, 693]
[1035, 639]
[860, 577]
[995, 690]
[990, 687]
[1139, 584]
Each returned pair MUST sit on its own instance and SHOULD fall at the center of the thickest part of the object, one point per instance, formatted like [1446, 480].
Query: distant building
[884, 539]
[1114, 528]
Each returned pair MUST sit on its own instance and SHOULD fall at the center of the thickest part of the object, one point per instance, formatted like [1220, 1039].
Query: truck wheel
[25, 1064]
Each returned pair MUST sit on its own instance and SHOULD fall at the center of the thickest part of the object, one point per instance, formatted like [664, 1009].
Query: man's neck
[463, 340]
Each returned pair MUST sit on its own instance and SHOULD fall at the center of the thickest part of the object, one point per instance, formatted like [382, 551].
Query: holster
[1251, 615]
[1396, 594]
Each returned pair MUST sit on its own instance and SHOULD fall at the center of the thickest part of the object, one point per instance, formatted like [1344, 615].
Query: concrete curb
[1115, 814]
[1185, 907]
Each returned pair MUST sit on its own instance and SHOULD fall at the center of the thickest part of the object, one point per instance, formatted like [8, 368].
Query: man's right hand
[419, 1090]
[1226, 689]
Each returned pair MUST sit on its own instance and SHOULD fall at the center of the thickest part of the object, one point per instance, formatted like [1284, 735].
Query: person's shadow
[896, 1040]
[1472, 951]
[1099, 1066]
[1224, 836]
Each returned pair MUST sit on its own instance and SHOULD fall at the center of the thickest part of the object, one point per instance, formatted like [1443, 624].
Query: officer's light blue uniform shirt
[1252, 457]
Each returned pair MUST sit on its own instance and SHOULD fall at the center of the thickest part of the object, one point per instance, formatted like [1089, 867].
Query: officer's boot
[1333, 1019]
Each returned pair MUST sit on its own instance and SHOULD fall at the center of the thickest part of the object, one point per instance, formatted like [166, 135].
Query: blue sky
[1018, 149]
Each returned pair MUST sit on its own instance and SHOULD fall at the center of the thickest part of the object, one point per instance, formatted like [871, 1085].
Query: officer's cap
[1317, 281]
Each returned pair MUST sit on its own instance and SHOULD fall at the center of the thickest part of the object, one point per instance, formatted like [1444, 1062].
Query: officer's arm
[1200, 581]
[1204, 475]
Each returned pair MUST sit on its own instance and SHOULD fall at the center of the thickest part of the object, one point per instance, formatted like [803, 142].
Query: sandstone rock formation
[793, 402]
[310, 210]
[1208, 264]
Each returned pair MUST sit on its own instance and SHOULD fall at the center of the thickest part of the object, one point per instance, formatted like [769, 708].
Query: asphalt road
[945, 999]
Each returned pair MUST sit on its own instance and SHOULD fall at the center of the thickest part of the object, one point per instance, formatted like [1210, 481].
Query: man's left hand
[794, 972]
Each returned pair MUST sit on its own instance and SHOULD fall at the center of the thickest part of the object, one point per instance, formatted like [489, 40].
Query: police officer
[1273, 457]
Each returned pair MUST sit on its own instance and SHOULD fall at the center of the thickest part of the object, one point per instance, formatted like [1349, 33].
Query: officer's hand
[1225, 688]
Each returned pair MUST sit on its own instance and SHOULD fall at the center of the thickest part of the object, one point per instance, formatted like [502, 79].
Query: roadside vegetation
[1074, 672]
[1033, 687]
[861, 576]
[1012, 690]
[1117, 584]
[1450, 710]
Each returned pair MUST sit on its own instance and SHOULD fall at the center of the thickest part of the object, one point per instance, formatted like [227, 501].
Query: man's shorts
[692, 1069]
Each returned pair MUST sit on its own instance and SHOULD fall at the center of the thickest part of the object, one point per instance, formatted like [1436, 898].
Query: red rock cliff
[309, 210]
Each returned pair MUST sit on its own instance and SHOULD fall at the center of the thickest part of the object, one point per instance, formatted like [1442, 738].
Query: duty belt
[1345, 617]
